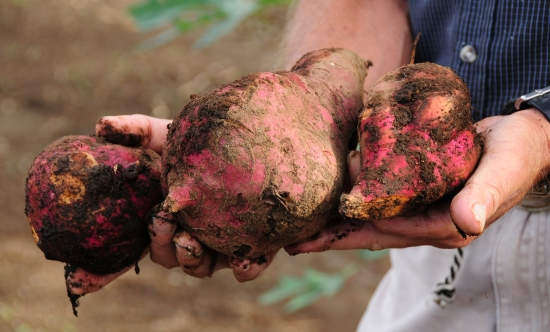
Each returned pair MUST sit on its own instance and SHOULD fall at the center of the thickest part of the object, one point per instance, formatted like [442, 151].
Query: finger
[163, 250]
[210, 262]
[134, 130]
[500, 180]
[485, 124]
[204, 268]
[246, 270]
[346, 236]
[434, 224]
[81, 282]
[195, 259]
[189, 251]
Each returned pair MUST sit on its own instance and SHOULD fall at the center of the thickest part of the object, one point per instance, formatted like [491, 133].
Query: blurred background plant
[170, 18]
[305, 290]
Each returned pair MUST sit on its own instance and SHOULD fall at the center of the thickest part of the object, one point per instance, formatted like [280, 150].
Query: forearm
[377, 30]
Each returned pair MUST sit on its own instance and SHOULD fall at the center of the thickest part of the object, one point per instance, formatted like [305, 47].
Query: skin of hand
[170, 247]
[516, 155]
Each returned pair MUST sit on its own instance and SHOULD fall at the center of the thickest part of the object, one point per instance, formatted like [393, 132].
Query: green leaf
[286, 287]
[187, 24]
[222, 16]
[307, 289]
[153, 14]
[274, 2]
[325, 283]
[303, 300]
[236, 11]
[159, 39]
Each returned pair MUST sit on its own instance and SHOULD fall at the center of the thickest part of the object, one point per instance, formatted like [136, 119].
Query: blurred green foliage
[303, 291]
[313, 285]
[371, 255]
[173, 17]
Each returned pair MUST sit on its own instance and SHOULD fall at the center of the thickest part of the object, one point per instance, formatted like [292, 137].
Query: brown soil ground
[63, 64]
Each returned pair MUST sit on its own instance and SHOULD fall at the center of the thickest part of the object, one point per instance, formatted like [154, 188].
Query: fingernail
[480, 213]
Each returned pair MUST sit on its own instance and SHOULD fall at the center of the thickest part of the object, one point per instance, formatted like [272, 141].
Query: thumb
[499, 182]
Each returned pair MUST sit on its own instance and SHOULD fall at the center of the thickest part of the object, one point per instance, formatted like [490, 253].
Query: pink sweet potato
[417, 142]
[87, 202]
[260, 163]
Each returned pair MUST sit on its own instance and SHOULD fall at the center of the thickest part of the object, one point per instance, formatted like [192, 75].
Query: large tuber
[260, 163]
[417, 142]
[88, 202]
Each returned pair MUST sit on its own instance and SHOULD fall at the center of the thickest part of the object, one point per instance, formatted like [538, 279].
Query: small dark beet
[88, 201]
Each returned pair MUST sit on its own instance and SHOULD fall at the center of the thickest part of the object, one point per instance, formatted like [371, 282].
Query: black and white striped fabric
[500, 48]
[445, 290]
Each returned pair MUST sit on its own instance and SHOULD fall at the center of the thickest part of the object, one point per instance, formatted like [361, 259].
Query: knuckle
[146, 128]
[494, 194]
[180, 242]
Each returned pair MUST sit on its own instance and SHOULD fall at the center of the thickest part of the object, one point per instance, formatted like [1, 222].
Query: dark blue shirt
[507, 45]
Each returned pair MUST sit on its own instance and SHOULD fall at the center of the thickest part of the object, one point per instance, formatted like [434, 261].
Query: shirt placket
[472, 49]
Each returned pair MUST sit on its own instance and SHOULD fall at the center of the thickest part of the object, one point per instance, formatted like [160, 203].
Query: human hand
[516, 155]
[170, 247]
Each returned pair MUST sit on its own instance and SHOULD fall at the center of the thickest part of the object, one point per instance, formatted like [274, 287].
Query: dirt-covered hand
[516, 154]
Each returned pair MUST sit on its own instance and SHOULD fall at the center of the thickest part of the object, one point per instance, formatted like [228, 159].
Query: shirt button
[468, 54]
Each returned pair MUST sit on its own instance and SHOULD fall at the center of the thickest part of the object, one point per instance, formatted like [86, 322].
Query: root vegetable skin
[259, 163]
[87, 202]
[417, 142]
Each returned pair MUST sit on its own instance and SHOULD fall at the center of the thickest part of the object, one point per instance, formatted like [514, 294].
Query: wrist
[539, 128]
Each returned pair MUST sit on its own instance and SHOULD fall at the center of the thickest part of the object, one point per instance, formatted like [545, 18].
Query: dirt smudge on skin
[122, 136]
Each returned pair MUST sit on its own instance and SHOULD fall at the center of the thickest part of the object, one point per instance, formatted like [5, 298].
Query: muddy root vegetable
[260, 163]
[87, 202]
[417, 142]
